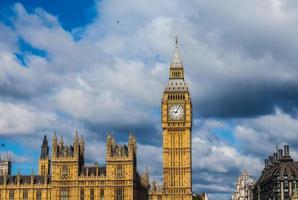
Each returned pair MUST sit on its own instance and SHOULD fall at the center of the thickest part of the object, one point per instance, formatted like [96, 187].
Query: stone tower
[5, 166]
[121, 169]
[67, 164]
[244, 187]
[44, 159]
[177, 129]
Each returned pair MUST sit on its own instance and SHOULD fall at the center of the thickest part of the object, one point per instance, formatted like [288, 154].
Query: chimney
[274, 157]
[266, 162]
[286, 151]
[280, 154]
[270, 160]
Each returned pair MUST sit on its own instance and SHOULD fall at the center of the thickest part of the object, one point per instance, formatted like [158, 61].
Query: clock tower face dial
[176, 112]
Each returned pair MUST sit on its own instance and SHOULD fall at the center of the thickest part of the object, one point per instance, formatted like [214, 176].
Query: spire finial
[45, 140]
[177, 62]
[76, 135]
[55, 136]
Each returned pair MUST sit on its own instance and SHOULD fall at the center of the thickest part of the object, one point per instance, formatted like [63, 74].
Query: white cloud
[238, 59]
[260, 135]
[19, 119]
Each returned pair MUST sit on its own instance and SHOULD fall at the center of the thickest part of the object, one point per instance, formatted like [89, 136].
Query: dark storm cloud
[248, 99]
[240, 61]
[146, 132]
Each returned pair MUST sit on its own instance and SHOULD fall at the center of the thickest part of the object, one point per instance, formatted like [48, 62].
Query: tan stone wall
[177, 158]
[75, 181]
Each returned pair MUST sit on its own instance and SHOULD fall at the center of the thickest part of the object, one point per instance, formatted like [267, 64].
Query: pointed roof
[45, 141]
[177, 61]
[76, 138]
[61, 140]
[54, 137]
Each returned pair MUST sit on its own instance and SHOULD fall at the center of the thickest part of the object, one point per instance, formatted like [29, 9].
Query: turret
[44, 153]
[5, 166]
[287, 151]
[76, 145]
[82, 147]
[19, 177]
[109, 145]
[132, 146]
[54, 146]
[61, 144]
[44, 160]
[145, 178]
[32, 177]
[280, 154]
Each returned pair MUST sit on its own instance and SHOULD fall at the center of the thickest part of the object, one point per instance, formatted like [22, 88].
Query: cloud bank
[240, 62]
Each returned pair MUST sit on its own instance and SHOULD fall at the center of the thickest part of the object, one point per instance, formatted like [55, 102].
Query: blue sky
[79, 14]
[71, 66]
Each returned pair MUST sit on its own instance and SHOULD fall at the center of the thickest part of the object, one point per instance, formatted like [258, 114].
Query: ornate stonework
[278, 178]
[65, 176]
[177, 127]
[5, 166]
[244, 187]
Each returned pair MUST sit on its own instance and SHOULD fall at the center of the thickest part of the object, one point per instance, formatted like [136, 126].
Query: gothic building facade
[5, 166]
[278, 178]
[176, 120]
[244, 187]
[65, 176]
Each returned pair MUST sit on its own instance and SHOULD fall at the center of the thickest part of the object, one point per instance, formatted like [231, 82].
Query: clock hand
[177, 109]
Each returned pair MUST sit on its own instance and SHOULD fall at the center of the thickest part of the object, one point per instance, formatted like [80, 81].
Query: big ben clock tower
[177, 128]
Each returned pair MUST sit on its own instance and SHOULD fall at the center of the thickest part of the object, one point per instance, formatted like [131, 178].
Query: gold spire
[177, 62]
[176, 67]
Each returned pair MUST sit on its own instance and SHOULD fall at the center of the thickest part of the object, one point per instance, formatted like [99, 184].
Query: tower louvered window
[82, 194]
[64, 194]
[11, 195]
[25, 195]
[119, 194]
[92, 194]
[102, 194]
[38, 195]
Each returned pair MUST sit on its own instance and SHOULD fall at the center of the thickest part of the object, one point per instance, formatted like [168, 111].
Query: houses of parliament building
[63, 175]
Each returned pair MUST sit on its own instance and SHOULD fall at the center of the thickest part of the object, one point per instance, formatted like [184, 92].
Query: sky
[101, 66]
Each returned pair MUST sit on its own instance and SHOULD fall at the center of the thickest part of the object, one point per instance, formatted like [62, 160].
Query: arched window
[11, 195]
[102, 194]
[25, 194]
[42, 170]
[119, 193]
[91, 194]
[64, 194]
[82, 194]
[38, 195]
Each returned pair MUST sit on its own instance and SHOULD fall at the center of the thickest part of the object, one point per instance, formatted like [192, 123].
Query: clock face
[176, 112]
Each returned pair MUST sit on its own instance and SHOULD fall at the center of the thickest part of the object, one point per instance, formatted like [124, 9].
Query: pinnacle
[177, 62]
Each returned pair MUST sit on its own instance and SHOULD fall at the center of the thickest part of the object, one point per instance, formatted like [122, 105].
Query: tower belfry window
[11, 195]
[38, 195]
[64, 194]
[82, 194]
[91, 194]
[25, 194]
[102, 194]
[119, 193]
